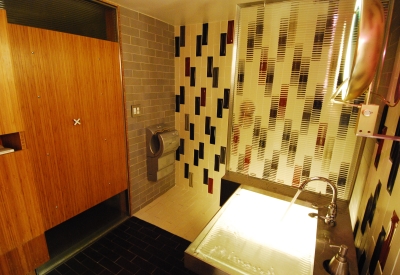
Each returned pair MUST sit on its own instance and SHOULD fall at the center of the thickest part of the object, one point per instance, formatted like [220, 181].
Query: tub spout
[330, 217]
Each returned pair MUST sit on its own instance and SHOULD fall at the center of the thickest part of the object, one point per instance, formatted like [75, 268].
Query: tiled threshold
[133, 247]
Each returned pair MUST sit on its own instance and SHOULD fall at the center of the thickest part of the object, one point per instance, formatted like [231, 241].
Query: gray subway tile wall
[149, 81]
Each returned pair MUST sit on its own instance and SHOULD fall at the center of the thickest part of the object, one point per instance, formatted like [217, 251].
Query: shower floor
[182, 211]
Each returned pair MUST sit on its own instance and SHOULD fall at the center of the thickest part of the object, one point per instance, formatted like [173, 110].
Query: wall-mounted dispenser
[161, 143]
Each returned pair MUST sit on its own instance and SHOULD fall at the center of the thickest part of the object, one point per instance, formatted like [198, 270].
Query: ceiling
[185, 12]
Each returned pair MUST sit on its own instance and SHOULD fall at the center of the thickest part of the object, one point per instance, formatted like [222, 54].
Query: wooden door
[22, 243]
[71, 95]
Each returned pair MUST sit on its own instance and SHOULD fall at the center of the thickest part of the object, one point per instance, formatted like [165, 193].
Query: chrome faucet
[330, 217]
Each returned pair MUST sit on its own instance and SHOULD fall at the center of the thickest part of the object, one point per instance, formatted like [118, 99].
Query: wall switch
[136, 110]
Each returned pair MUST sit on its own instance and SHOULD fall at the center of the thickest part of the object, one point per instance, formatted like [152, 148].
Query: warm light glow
[251, 236]
[348, 66]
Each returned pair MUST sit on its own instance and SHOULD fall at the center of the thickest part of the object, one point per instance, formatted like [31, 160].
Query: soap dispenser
[338, 264]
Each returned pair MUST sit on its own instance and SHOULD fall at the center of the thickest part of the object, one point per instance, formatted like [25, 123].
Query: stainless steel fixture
[330, 217]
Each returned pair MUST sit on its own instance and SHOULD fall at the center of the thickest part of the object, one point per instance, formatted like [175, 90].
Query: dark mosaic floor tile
[63, 269]
[108, 264]
[80, 257]
[135, 232]
[76, 266]
[180, 240]
[106, 272]
[93, 254]
[167, 241]
[109, 254]
[134, 247]
[126, 272]
[125, 253]
[93, 266]
[137, 242]
[145, 265]
[127, 265]
[143, 272]
[173, 252]
[54, 272]
[157, 252]
[160, 272]
[123, 243]
[160, 263]
[139, 251]
[182, 271]
[149, 232]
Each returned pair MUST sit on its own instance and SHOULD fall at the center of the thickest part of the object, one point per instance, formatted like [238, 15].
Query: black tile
[149, 232]
[76, 266]
[93, 254]
[160, 263]
[177, 103]
[198, 45]
[127, 265]
[201, 150]
[182, 146]
[220, 104]
[134, 247]
[64, 269]
[177, 155]
[213, 134]
[93, 266]
[216, 163]
[182, 94]
[215, 77]
[182, 36]
[140, 251]
[177, 47]
[192, 76]
[145, 265]
[186, 170]
[226, 98]
[196, 157]
[108, 264]
[205, 176]
[210, 66]
[80, 257]
[208, 125]
[197, 105]
[191, 131]
[204, 36]
[222, 46]
[124, 253]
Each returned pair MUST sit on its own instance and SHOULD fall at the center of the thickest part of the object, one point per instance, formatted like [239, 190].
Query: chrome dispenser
[161, 143]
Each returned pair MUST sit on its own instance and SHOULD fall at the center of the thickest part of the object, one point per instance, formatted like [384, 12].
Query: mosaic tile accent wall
[148, 63]
[285, 128]
[377, 190]
[203, 65]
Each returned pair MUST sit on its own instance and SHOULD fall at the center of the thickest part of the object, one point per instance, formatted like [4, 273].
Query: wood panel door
[10, 119]
[71, 95]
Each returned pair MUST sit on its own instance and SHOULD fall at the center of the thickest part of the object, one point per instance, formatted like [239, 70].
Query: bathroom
[153, 76]
[190, 176]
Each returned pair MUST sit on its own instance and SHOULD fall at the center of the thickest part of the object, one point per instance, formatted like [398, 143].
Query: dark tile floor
[134, 247]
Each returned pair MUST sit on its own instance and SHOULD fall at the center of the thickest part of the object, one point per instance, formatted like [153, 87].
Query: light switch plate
[136, 110]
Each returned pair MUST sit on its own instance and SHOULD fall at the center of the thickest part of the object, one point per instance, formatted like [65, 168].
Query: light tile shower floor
[181, 211]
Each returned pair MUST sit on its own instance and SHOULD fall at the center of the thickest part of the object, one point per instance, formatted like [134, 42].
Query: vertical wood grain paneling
[62, 77]
[10, 119]
[20, 216]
